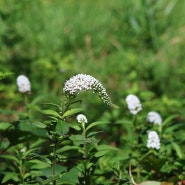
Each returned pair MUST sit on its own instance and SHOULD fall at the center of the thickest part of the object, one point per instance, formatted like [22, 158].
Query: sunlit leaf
[5, 74]
[177, 149]
[95, 124]
[10, 176]
[40, 125]
[4, 126]
[10, 157]
[75, 126]
[71, 112]
[67, 148]
[51, 113]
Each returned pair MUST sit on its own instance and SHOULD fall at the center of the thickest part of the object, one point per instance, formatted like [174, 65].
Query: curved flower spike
[83, 82]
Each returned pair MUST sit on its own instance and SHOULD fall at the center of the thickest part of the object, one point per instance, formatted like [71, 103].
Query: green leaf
[51, 113]
[93, 133]
[62, 128]
[104, 149]
[5, 74]
[4, 126]
[71, 112]
[94, 124]
[40, 125]
[48, 171]
[70, 177]
[10, 157]
[67, 148]
[37, 164]
[78, 139]
[177, 149]
[75, 126]
[167, 120]
[10, 176]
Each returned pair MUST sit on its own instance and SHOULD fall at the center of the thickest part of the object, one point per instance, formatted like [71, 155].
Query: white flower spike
[83, 82]
[153, 140]
[154, 117]
[23, 84]
[81, 118]
[133, 104]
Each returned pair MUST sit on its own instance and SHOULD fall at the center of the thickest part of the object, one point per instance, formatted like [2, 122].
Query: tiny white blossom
[83, 82]
[153, 140]
[81, 118]
[23, 150]
[154, 117]
[23, 84]
[133, 104]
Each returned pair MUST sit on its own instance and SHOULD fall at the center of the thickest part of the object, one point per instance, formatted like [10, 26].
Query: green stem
[26, 102]
[21, 171]
[54, 162]
[86, 176]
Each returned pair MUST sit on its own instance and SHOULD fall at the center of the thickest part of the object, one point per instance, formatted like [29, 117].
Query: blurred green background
[129, 46]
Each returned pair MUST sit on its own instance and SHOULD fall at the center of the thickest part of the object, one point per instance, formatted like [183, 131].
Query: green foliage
[132, 47]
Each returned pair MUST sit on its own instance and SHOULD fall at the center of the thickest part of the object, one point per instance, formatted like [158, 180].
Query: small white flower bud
[133, 104]
[23, 84]
[153, 140]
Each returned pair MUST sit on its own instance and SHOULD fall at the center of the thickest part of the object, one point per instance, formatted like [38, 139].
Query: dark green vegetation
[130, 46]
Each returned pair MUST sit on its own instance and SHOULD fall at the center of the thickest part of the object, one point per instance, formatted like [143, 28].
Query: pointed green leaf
[10, 157]
[71, 112]
[10, 176]
[177, 149]
[94, 124]
[167, 120]
[78, 139]
[75, 126]
[4, 126]
[51, 113]
[62, 128]
[67, 148]
[40, 125]
[103, 149]
[70, 177]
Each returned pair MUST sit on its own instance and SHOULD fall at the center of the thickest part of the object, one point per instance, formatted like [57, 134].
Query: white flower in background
[23, 150]
[154, 117]
[23, 84]
[83, 82]
[81, 118]
[153, 140]
[133, 104]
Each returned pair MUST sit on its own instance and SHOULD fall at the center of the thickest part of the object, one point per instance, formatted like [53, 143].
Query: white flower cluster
[133, 104]
[153, 140]
[23, 84]
[83, 82]
[81, 118]
[154, 117]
